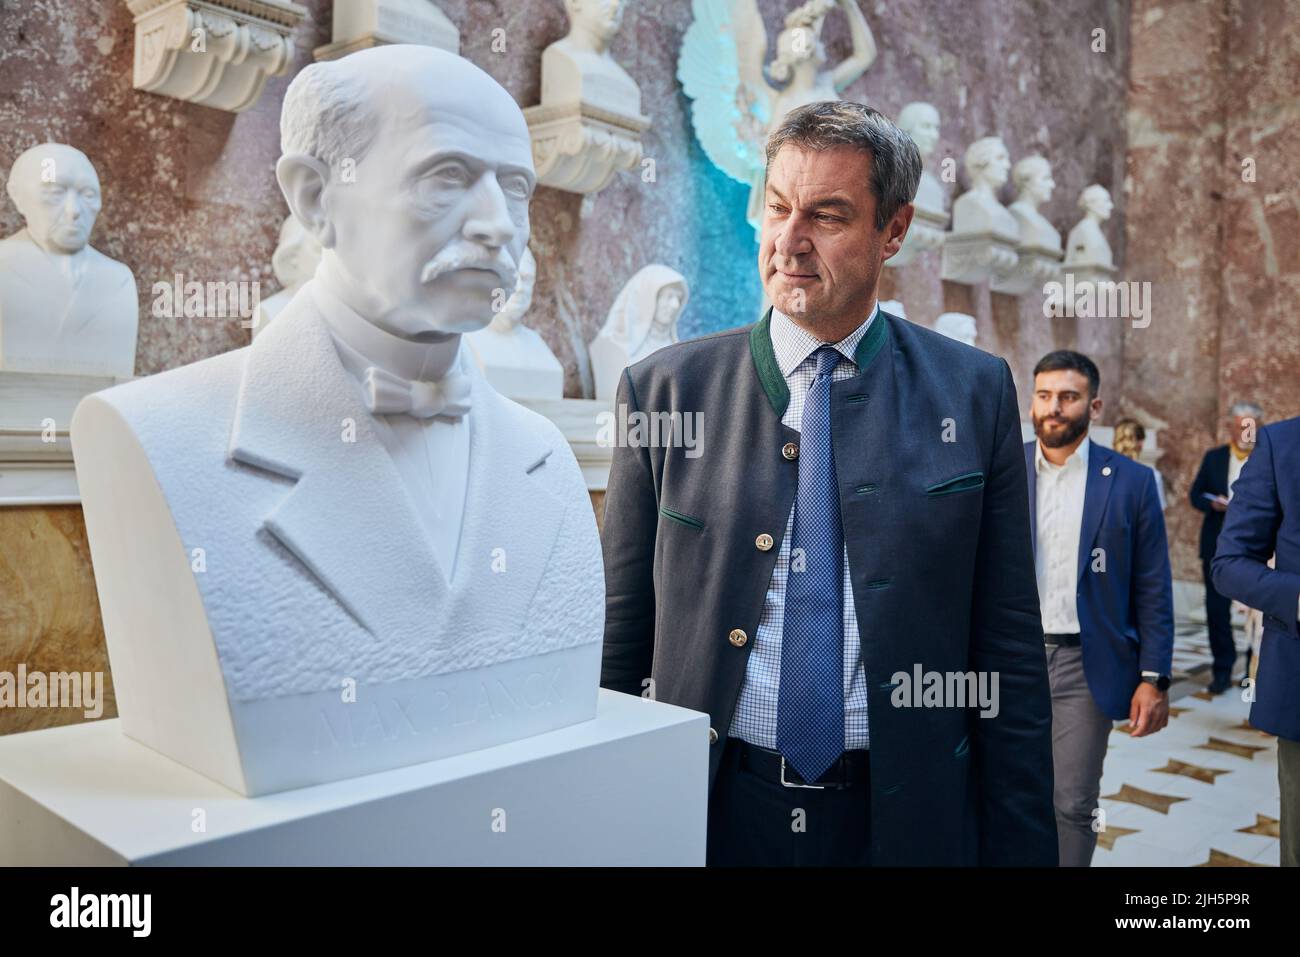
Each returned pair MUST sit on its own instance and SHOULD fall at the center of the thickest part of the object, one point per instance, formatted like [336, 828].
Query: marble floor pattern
[1201, 792]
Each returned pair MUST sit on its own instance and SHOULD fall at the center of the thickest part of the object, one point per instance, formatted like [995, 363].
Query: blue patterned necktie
[810, 705]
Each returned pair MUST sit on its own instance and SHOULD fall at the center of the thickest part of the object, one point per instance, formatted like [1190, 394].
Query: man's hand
[1219, 503]
[1149, 710]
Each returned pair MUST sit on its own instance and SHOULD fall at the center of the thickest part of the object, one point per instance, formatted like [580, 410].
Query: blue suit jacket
[1263, 519]
[1126, 611]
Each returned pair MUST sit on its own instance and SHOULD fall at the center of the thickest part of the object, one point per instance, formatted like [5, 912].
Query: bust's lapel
[348, 518]
[514, 508]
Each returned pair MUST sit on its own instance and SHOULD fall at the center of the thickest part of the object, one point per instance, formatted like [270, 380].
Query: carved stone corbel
[216, 53]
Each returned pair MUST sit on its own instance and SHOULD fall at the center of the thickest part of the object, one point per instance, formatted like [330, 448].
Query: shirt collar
[792, 344]
[1079, 455]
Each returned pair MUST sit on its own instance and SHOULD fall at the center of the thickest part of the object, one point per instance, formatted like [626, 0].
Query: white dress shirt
[1061, 490]
[756, 708]
[431, 455]
[1235, 466]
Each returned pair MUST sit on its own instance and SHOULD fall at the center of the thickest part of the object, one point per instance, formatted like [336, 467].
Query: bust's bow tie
[387, 394]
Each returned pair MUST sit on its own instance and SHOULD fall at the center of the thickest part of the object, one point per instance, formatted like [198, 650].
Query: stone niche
[216, 53]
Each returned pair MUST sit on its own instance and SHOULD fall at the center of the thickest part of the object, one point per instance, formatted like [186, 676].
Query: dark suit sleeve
[1152, 583]
[628, 540]
[1248, 539]
[1014, 754]
[1201, 485]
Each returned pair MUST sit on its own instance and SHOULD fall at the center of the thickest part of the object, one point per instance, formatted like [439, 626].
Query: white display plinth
[627, 788]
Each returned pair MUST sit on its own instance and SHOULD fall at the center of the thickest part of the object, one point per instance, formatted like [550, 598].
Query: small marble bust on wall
[1034, 185]
[1040, 244]
[293, 262]
[65, 307]
[515, 359]
[984, 234]
[643, 319]
[956, 325]
[1087, 250]
[977, 210]
[579, 68]
[589, 123]
[921, 122]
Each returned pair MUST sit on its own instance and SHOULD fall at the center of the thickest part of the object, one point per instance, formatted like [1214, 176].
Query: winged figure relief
[736, 100]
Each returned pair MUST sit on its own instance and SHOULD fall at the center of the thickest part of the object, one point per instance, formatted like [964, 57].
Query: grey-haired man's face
[819, 253]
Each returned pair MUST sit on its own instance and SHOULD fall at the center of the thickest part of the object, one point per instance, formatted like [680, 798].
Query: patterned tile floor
[1201, 792]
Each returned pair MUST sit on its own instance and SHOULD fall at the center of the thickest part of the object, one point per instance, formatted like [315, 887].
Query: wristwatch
[1160, 682]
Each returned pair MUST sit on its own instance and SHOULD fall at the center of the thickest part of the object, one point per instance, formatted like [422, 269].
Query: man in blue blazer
[1263, 521]
[844, 551]
[1104, 586]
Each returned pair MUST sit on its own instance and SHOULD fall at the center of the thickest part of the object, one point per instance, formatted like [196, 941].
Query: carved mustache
[468, 256]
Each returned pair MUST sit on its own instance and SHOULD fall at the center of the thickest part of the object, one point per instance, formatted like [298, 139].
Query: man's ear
[303, 180]
[896, 230]
[1094, 409]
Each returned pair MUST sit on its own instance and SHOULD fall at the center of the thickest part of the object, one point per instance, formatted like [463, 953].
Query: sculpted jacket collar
[348, 518]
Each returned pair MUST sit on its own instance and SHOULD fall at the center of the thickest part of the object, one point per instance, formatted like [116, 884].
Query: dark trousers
[754, 822]
[1218, 614]
[1288, 776]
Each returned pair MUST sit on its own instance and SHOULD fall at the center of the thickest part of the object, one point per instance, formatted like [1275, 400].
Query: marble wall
[49, 612]
[1213, 223]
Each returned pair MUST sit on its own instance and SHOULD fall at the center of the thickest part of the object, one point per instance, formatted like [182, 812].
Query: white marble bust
[643, 318]
[1034, 184]
[977, 211]
[339, 549]
[957, 325]
[513, 357]
[294, 261]
[579, 68]
[1087, 245]
[65, 307]
[921, 122]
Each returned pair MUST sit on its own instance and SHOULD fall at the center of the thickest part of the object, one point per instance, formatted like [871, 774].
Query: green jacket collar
[769, 373]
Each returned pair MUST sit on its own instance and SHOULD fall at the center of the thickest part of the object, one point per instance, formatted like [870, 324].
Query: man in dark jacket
[840, 571]
[1210, 493]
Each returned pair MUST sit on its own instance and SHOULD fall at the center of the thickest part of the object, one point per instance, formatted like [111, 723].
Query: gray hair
[327, 114]
[1249, 409]
[895, 160]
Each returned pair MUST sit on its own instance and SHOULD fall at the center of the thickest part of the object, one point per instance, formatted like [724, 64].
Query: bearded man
[1104, 588]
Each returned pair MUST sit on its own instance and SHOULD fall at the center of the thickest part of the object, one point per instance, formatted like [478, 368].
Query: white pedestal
[35, 451]
[628, 788]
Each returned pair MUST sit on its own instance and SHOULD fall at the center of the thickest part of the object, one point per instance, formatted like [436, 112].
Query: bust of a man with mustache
[365, 506]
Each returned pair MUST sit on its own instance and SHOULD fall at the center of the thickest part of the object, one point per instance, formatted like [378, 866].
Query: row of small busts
[1013, 248]
[513, 357]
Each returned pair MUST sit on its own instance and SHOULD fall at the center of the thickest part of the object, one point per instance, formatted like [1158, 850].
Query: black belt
[1063, 641]
[851, 770]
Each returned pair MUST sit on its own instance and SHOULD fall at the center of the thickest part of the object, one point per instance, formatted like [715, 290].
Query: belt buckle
[792, 784]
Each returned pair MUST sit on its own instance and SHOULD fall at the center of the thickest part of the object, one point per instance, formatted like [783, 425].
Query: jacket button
[763, 543]
[738, 637]
[790, 450]
[713, 736]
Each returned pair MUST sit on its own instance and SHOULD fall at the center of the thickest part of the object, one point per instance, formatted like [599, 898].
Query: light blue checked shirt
[755, 717]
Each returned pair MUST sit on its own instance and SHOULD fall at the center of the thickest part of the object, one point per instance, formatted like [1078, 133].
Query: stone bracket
[578, 147]
[217, 53]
